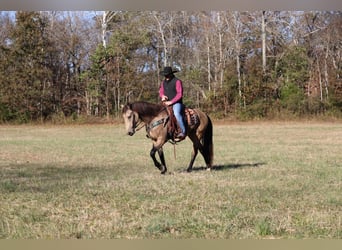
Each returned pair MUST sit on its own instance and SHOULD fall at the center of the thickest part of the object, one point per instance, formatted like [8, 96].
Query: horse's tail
[208, 146]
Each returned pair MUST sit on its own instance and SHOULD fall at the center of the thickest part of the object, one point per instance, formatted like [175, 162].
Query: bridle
[139, 122]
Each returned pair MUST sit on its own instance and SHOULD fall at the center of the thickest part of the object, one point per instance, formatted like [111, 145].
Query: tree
[73, 41]
[6, 111]
[233, 63]
[116, 71]
[293, 70]
[29, 79]
[263, 39]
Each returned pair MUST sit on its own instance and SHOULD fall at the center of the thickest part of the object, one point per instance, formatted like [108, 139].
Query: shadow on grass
[231, 166]
[40, 178]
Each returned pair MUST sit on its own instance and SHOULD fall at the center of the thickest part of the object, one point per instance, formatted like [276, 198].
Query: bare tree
[107, 18]
[164, 21]
[235, 31]
[263, 39]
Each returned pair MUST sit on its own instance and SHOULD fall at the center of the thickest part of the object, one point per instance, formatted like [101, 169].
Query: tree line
[241, 64]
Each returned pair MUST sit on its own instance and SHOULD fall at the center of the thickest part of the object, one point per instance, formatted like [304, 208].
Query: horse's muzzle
[130, 133]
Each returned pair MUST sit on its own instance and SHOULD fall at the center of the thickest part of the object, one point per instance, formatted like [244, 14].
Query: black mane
[145, 108]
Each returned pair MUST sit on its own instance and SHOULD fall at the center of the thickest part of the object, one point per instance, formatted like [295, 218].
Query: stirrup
[180, 137]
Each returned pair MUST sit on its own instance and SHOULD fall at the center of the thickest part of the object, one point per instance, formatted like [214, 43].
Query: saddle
[190, 118]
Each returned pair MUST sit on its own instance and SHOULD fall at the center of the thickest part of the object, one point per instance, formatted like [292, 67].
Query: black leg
[205, 156]
[153, 156]
[162, 159]
[162, 166]
[193, 157]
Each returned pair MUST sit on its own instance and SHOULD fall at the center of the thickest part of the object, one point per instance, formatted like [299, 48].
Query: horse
[156, 119]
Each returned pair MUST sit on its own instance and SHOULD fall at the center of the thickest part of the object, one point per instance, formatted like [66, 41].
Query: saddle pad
[191, 117]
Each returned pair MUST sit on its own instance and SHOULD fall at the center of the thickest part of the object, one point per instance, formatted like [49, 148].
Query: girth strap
[157, 123]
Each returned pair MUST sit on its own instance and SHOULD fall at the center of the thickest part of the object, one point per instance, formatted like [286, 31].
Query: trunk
[326, 75]
[97, 103]
[221, 61]
[78, 107]
[118, 85]
[238, 70]
[335, 64]
[88, 110]
[263, 38]
[104, 29]
[157, 65]
[220, 52]
[115, 97]
[208, 64]
[107, 17]
[244, 87]
[320, 80]
[162, 35]
[107, 99]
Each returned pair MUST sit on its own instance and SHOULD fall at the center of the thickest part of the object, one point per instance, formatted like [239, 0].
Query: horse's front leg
[161, 166]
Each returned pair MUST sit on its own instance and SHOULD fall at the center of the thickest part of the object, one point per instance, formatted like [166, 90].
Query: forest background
[82, 66]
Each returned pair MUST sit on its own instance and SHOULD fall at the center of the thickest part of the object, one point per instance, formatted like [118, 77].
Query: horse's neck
[146, 116]
[151, 118]
[146, 119]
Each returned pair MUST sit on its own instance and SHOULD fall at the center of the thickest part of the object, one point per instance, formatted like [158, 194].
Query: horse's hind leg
[193, 157]
[197, 146]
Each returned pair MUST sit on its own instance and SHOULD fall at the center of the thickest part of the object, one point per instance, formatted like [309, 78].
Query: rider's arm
[163, 97]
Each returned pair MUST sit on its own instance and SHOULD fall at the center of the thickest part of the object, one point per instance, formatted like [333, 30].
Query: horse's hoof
[189, 170]
[208, 169]
[163, 169]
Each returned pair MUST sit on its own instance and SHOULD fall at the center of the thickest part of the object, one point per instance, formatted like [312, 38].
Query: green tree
[117, 70]
[25, 87]
[293, 72]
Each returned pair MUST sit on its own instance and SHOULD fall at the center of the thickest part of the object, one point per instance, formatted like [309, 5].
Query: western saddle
[190, 118]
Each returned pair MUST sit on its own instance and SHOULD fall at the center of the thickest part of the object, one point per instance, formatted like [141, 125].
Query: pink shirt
[179, 90]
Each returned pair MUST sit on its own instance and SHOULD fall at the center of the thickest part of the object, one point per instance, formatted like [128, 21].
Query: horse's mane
[145, 108]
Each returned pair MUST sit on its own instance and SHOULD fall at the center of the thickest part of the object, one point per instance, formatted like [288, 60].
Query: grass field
[271, 180]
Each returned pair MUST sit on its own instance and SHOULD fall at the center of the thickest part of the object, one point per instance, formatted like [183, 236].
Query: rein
[154, 124]
[137, 125]
[149, 126]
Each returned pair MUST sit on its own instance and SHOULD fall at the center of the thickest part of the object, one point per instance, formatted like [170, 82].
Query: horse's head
[131, 119]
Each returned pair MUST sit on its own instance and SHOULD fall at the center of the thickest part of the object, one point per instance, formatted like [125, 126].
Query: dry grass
[271, 180]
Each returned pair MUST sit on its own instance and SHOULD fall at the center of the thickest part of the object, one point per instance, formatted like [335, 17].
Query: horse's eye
[129, 117]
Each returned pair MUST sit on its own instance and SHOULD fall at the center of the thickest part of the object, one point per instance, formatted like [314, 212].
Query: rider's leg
[177, 110]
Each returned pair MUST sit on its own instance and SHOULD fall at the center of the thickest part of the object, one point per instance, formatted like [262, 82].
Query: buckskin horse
[156, 119]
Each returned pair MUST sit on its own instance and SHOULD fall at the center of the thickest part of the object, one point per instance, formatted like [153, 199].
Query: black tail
[208, 146]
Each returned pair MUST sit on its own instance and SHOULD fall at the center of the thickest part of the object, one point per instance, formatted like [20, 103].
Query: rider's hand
[168, 103]
[164, 98]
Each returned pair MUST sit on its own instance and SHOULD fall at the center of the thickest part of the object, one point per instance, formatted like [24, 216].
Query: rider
[171, 93]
